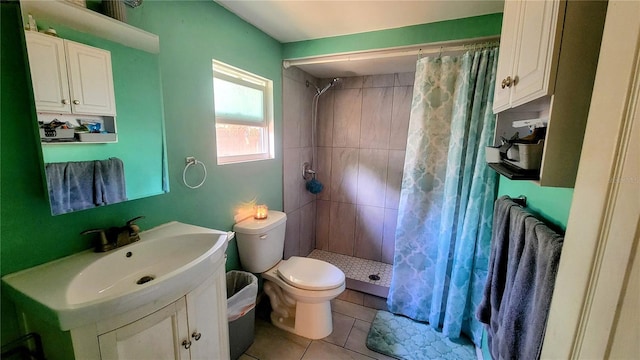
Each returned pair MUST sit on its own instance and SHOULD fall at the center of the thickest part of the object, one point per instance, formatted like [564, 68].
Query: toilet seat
[310, 274]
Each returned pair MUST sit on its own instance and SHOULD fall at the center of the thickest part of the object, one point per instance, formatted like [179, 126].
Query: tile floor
[352, 315]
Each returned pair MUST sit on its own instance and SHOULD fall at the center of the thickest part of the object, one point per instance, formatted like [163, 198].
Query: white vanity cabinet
[207, 318]
[193, 327]
[529, 47]
[156, 336]
[162, 297]
[69, 77]
[546, 67]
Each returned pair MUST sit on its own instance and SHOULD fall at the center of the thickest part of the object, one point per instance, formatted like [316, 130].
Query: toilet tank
[261, 242]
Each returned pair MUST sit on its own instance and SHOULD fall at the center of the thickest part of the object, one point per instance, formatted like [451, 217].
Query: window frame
[241, 77]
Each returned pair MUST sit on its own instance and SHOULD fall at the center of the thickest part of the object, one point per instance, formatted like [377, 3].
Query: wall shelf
[91, 22]
[513, 173]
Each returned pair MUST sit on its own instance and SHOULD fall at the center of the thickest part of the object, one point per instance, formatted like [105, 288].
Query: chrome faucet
[117, 236]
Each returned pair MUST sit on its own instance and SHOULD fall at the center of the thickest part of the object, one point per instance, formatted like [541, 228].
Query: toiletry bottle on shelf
[32, 24]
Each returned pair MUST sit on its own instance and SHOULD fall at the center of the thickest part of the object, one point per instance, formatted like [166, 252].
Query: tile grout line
[348, 335]
[306, 349]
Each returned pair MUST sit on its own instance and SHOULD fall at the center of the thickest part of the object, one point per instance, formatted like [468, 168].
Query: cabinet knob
[196, 335]
[507, 82]
[186, 344]
[65, 101]
[76, 102]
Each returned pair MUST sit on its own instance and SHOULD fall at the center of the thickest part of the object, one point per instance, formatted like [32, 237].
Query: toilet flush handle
[263, 236]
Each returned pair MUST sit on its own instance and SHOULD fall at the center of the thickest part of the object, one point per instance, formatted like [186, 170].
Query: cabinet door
[158, 336]
[508, 47]
[207, 312]
[48, 73]
[90, 80]
[538, 45]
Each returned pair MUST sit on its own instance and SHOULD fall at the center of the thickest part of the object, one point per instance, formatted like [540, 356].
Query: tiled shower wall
[299, 204]
[362, 135]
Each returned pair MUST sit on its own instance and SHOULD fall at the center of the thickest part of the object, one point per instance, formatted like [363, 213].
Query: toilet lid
[310, 274]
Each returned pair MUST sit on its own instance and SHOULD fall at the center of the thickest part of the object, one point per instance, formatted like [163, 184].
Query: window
[243, 104]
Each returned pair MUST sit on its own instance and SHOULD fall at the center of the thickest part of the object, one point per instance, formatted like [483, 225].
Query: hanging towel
[524, 261]
[496, 277]
[70, 186]
[109, 182]
[83, 185]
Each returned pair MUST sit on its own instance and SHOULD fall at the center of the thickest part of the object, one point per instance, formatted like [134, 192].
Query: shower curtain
[446, 200]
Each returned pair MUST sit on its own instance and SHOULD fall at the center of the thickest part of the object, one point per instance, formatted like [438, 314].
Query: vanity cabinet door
[528, 60]
[90, 79]
[158, 336]
[48, 65]
[208, 327]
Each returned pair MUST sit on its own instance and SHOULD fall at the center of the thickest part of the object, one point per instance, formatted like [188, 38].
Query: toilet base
[312, 321]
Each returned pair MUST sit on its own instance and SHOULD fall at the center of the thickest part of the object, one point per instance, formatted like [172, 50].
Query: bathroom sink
[130, 267]
[168, 261]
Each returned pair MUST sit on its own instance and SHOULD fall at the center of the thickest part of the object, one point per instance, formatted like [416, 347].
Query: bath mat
[403, 338]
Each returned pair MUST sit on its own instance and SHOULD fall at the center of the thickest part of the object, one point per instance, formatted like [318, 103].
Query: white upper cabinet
[529, 47]
[69, 77]
[546, 68]
[48, 73]
[90, 79]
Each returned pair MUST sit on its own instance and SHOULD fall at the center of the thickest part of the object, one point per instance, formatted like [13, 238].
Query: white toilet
[300, 289]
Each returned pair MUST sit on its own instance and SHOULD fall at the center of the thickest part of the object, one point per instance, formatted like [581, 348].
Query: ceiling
[297, 20]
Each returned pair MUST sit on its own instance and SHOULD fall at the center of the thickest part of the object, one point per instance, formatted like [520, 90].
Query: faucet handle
[134, 229]
[132, 221]
[91, 231]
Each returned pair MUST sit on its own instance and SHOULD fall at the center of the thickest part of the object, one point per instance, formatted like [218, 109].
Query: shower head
[319, 91]
[331, 83]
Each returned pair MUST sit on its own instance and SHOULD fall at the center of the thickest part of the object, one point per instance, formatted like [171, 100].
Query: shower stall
[350, 134]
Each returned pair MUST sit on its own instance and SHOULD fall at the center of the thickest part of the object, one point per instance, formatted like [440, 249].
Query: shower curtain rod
[417, 50]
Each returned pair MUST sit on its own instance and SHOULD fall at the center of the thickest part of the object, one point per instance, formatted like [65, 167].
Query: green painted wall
[552, 204]
[478, 26]
[191, 33]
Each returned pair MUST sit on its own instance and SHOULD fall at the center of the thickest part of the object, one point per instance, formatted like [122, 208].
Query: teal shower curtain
[444, 221]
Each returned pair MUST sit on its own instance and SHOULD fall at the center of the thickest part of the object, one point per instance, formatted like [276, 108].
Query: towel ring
[193, 161]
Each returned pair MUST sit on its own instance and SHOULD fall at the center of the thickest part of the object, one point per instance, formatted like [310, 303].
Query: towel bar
[520, 200]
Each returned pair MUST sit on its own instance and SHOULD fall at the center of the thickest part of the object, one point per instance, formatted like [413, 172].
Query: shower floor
[357, 272]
